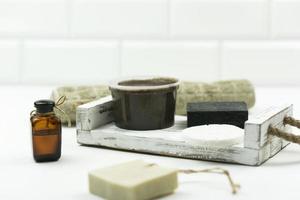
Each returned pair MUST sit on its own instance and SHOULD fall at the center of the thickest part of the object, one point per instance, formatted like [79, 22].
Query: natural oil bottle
[46, 132]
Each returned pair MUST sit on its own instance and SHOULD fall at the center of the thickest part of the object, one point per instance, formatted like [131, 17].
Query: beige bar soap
[134, 180]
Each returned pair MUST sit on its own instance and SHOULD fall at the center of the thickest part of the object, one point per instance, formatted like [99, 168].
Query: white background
[59, 42]
[93, 41]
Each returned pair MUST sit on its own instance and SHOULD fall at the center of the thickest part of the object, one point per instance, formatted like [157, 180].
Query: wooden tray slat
[257, 148]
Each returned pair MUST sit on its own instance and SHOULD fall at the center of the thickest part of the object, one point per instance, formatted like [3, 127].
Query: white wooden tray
[257, 148]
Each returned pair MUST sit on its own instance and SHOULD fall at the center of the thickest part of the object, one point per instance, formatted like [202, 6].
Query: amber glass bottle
[46, 132]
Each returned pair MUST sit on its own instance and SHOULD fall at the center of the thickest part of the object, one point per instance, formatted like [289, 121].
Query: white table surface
[22, 178]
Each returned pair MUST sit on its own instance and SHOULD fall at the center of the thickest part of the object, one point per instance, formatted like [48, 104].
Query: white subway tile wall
[93, 41]
[60, 61]
[119, 18]
[262, 62]
[286, 18]
[33, 18]
[219, 18]
[190, 60]
[9, 61]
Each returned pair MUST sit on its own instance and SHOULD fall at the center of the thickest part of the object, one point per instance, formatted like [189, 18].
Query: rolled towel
[230, 90]
[76, 96]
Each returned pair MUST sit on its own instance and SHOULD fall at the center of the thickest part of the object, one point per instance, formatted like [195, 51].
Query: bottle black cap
[44, 106]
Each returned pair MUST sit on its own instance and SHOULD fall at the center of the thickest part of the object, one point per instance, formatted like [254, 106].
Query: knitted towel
[231, 90]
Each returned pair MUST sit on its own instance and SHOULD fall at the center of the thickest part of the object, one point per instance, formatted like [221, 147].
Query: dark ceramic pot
[144, 103]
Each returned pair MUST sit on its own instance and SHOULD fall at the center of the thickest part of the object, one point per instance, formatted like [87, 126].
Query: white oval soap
[220, 135]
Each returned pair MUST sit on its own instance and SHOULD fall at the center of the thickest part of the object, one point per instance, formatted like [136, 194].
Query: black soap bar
[203, 113]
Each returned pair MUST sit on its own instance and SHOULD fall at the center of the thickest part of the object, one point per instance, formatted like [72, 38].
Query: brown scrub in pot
[144, 103]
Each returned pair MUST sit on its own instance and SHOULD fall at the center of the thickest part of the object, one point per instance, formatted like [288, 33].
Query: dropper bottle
[46, 132]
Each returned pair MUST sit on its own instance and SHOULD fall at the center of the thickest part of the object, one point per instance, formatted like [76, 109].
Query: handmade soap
[134, 180]
[202, 113]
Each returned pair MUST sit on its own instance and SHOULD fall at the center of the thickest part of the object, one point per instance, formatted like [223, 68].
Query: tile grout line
[142, 38]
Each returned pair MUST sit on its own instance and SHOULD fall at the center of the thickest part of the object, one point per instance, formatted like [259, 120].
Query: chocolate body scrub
[144, 103]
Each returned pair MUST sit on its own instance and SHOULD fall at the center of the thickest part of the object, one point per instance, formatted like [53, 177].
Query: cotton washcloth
[230, 90]
[214, 135]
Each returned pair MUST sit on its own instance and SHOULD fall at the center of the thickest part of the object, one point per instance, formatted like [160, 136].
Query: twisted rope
[59, 102]
[291, 121]
[216, 170]
[285, 135]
